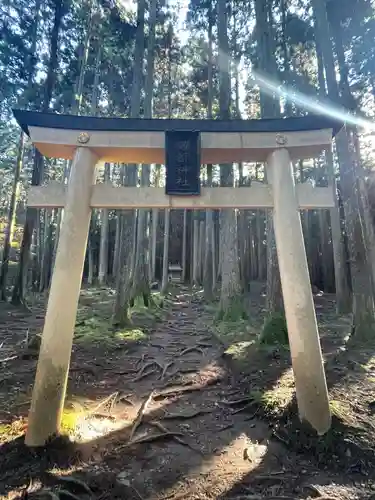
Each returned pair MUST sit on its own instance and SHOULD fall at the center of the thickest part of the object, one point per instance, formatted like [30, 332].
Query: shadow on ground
[224, 436]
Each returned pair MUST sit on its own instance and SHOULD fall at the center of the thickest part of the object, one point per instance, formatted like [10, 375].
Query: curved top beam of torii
[143, 140]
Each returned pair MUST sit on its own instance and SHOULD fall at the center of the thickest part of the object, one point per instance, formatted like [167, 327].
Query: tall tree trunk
[184, 238]
[154, 228]
[115, 262]
[121, 306]
[270, 108]
[230, 297]
[19, 160]
[209, 262]
[94, 212]
[37, 174]
[11, 219]
[47, 250]
[127, 222]
[343, 296]
[103, 252]
[141, 284]
[195, 253]
[154, 234]
[361, 269]
[116, 251]
[286, 55]
[202, 248]
[164, 283]
[78, 94]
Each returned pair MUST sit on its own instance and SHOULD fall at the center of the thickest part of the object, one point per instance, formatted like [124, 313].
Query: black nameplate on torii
[182, 162]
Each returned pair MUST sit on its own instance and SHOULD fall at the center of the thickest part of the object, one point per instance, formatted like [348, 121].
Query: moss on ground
[236, 311]
[69, 421]
[275, 330]
[94, 319]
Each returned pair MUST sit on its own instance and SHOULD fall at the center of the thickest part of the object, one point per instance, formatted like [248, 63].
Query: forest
[180, 383]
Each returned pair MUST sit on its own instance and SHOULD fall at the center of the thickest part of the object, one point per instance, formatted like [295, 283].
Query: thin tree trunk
[164, 283]
[103, 252]
[202, 247]
[11, 219]
[127, 222]
[140, 283]
[195, 273]
[115, 262]
[116, 251]
[47, 250]
[184, 238]
[343, 295]
[154, 234]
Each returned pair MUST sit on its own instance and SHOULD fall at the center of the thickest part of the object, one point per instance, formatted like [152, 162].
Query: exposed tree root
[142, 359]
[158, 364]
[320, 495]
[191, 349]
[45, 494]
[74, 482]
[176, 438]
[144, 375]
[149, 439]
[253, 415]
[136, 492]
[140, 415]
[186, 370]
[185, 416]
[141, 373]
[204, 344]
[110, 399]
[166, 366]
[125, 399]
[244, 408]
[280, 438]
[235, 402]
[225, 427]
[123, 372]
[191, 388]
[67, 495]
[11, 358]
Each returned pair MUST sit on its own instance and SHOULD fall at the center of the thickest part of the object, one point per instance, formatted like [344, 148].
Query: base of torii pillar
[306, 354]
[57, 339]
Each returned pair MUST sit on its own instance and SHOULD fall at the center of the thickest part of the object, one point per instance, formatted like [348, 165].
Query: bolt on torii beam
[88, 141]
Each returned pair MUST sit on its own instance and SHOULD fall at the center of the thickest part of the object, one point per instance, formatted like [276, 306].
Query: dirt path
[213, 447]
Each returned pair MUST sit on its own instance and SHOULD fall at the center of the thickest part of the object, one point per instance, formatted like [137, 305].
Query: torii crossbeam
[88, 140]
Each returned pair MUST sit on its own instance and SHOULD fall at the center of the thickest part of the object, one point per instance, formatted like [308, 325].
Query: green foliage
[275, 330]
[94, 325]
[237, 336]
[235, 312]
[95, 330]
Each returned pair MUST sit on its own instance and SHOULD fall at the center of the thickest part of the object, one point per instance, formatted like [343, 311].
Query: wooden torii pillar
[88, 141]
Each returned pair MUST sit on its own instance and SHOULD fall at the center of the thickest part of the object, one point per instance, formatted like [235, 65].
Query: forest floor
[182, 407]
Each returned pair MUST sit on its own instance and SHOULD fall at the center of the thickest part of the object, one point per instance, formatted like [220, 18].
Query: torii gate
[88, 140]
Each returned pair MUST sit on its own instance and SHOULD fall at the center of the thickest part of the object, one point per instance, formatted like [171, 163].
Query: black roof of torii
[310, 122]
